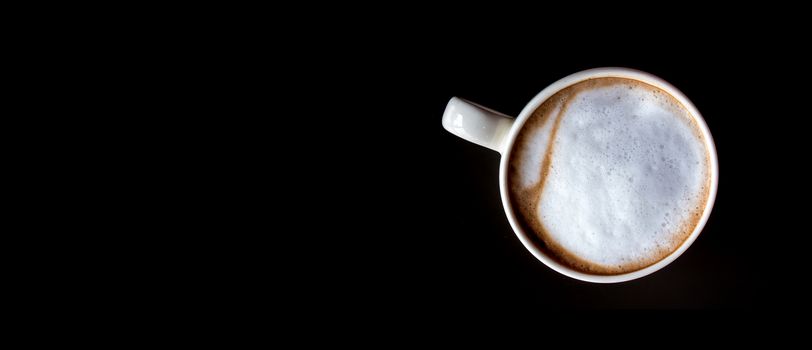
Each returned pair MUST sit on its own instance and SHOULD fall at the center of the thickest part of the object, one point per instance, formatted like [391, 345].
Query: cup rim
[560, 85]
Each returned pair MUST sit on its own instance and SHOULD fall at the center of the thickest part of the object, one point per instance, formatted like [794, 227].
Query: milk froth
[610, 175]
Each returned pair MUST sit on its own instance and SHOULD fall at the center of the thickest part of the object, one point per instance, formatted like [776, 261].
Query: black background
[296, 171]
[415, 221]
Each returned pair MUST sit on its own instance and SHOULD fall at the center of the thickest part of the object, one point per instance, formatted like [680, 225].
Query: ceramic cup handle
[480, 125]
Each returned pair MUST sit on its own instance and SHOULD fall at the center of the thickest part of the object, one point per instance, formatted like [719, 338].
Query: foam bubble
[623, 158]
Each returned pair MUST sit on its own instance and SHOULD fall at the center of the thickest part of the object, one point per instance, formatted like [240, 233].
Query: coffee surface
[609, 175]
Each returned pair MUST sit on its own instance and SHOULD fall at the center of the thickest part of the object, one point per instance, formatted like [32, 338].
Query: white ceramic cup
[498, 132]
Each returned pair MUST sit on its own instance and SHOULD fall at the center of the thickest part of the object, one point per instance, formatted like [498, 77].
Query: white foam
[537, 142]
[627, 170]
